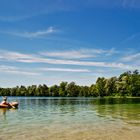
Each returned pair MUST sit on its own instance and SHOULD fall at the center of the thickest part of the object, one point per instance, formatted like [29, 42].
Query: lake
[48, 118]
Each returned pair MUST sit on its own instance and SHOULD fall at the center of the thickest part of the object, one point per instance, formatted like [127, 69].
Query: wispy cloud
[13, 18]
[19, 72]
[73, 54]
[15, 70]
[35, 58]
[113, 3]
[7, 68]
[78, 54]
[12, 56]
[48, 7]
[130, 3]
[36, 34]
[40, 33]
[131, 38]
[131, 57]
[64, 70]
[26, 9]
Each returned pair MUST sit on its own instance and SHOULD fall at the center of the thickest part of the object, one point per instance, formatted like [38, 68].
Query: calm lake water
[39, 118]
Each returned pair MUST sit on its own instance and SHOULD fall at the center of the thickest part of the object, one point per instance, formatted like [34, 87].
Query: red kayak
[10, 105]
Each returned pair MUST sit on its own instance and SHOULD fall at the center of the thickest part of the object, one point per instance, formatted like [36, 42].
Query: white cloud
[4, 68]
[49, 30]
[19, 72]
[32, 58]
[132, 57]
[111, 51]
[15, 70]
[65, 70]
[40, 33]
[68, 54]
[77, 54]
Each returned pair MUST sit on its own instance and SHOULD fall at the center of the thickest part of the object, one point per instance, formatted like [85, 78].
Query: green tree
[135, 83]
[84, 91]
[23, 90]
[72, 90]
[100, 84]
[93, 90]
[62, 89]
[54, 91]
[127, 84]
[32, 90]
[110, 86]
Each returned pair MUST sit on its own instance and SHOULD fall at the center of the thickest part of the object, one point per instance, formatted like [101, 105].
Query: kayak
[10, 105]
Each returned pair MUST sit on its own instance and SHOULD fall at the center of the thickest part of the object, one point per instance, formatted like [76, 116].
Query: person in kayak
[4, 102]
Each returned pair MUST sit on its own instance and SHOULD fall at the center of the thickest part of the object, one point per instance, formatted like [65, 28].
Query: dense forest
[127, 84]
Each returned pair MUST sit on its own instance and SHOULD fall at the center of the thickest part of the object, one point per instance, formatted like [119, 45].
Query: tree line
[127, 84]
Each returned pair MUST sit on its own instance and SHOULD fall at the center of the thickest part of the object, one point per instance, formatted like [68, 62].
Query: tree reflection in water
[3, 112]
[122, 109]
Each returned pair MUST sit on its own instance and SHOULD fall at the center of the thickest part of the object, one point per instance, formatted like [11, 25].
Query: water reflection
[127, 113]
[122, 108]
[79, 100]
[70, 117]
[102, 101]
[3, 112]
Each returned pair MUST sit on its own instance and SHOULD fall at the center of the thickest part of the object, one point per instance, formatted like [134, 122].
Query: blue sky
[49, 41]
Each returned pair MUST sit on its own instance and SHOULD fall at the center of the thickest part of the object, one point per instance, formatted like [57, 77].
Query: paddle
[12, 105]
